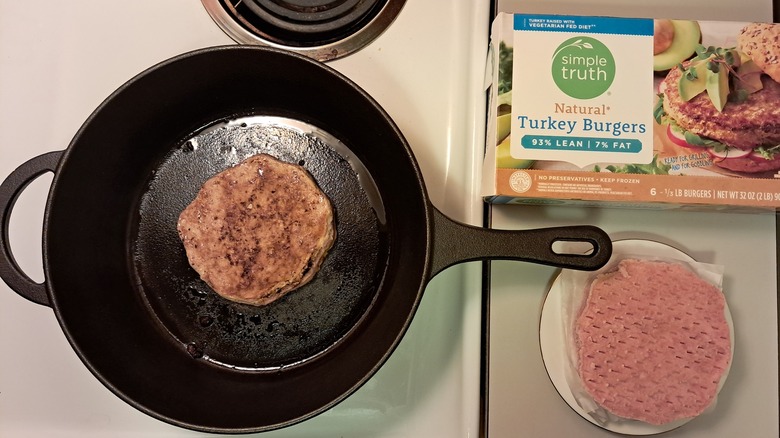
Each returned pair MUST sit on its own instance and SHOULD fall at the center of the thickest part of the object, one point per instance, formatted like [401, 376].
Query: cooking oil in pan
[301, 325]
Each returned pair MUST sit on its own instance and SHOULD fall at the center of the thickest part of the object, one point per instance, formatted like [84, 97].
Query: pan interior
[304, 323]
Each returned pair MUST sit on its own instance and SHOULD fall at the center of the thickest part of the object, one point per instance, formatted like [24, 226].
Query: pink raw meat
[652, 341]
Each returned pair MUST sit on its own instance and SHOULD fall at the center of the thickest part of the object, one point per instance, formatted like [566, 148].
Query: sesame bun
[761, 41]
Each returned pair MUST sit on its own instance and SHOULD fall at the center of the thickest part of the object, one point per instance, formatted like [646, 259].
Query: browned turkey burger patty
[743, 125]
[258, 230]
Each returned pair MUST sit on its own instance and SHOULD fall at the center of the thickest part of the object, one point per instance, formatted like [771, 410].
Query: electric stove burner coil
[321, 29]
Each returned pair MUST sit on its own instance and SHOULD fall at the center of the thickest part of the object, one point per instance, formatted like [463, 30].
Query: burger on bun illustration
[726, 101]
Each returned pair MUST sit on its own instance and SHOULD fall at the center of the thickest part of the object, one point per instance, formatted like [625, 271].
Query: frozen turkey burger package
[633, 112]
[649, 339]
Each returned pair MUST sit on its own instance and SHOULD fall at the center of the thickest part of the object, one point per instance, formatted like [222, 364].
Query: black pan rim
[69, 151]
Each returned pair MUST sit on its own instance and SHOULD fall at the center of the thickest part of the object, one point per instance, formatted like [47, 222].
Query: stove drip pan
[321, 29]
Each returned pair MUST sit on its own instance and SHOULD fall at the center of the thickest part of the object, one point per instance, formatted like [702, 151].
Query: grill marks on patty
[258, 230]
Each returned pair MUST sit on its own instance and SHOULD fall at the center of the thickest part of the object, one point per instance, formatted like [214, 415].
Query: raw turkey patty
[653, 341]
[258, 230]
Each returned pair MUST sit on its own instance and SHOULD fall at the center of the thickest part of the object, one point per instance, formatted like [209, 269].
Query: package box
[632, 112]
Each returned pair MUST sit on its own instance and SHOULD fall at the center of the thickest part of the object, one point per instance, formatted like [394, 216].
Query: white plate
[552, 341]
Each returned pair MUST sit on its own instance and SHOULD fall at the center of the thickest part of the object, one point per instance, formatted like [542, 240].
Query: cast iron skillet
[144, 323]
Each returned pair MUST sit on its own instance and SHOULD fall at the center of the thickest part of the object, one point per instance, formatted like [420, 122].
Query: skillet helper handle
[10, 190]
[455, 242]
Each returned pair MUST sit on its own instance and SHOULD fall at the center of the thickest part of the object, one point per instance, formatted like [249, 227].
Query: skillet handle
[10, 190]
[455, 242]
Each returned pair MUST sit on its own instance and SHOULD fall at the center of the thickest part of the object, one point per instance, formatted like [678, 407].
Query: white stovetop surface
[522, 400]
[60, 59]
